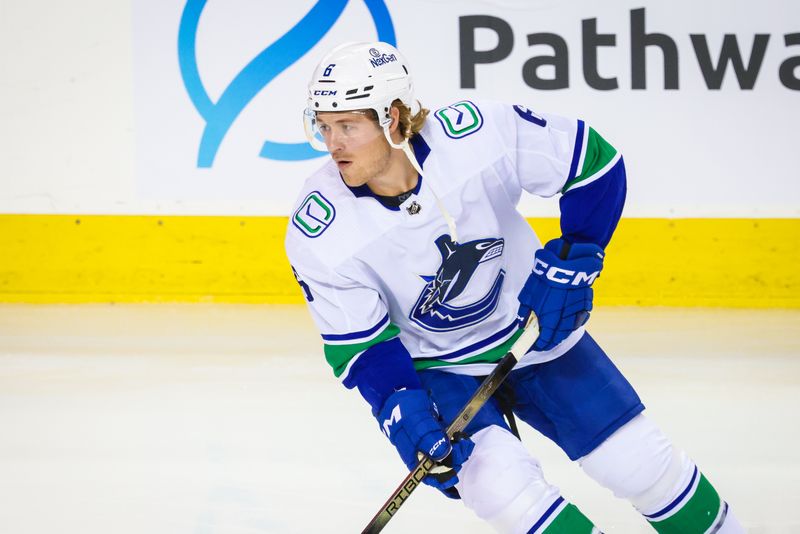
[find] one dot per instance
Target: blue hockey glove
(559, 289)
(410, 420)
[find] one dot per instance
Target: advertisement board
(701, 99)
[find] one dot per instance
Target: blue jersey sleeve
(381, 370)
(594, 194)
(590, 214)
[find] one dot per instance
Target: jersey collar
(421, 149)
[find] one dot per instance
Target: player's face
(357, 145)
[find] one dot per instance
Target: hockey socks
(697, 509)
(563, 518)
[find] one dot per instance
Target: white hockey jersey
(370, 272)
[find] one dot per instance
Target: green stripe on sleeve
(338, 356)
(696, 515)
(598, 153)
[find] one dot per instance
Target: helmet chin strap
(404, 146)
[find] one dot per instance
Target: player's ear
(394, 113)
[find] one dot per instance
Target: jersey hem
(530, 358)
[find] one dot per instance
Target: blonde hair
(410, 125)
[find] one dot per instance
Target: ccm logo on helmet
(324, 92)
(563, 276)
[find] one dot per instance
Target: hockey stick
(475, 403)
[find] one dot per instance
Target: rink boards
(95, 258)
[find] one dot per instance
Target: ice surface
(226, 419)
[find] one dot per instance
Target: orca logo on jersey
(435, 309)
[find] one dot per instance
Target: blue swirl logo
(219, 116)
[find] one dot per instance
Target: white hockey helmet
(358, 76)
(361, 76)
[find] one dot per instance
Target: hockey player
(418, 268)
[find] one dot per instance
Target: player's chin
(352, 179)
